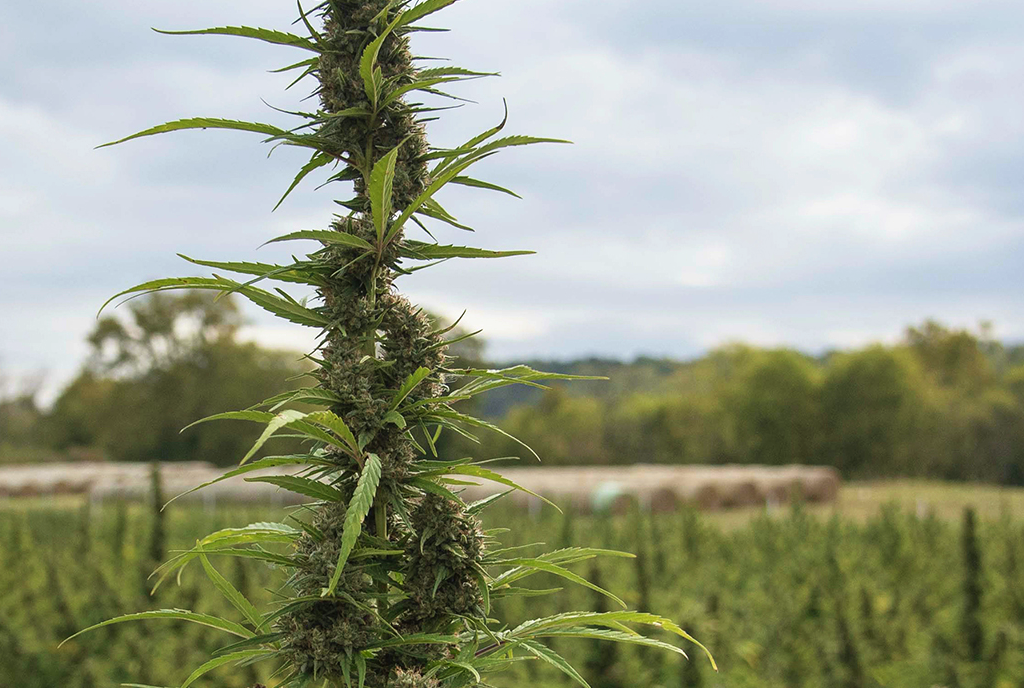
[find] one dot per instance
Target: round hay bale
(704, 496)
(26, 490)
(64, 487)
(736, 493)
(820, 486)
(664, 500)
(776, 487)
(623, 504)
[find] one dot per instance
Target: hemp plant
(390, 577)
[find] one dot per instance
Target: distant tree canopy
(20, 420)
(942, 403)
(165, 362)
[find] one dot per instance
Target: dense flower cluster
(347, 28)
(443, 562)
(376, 340)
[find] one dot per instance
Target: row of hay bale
(587, 488)
(666, 488)
(102, 481)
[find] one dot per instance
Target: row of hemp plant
(789, 600)
(390, 576)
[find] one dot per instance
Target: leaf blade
(202, 123)
(174, 614)
(358, 508)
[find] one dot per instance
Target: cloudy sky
(798, 172)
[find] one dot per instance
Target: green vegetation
(891, 599)
(390, 578)
(942, 404)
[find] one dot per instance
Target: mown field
(891, 586)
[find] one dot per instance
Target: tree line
(790, 600)
(941, 402)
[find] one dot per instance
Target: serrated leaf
(450, 156)
(335, 424)
(568, 555)
(464, 666)
(297, 273)
(269, 462)
(276, 423)
(307, 63)
(523, 566)
(307, 429)
(425, 251)
(534, 626)
(416, 639)
(317, 161)
(432, 209)
(396, 418)
(326, 236)
(249, 553)
(222, 660)
(428, 485)
(355, 514)
(177, 614)
(476, 183)
(379, 189)
(631, 638)
(255, 641)
(305, 395)
(452, 71)
(267, 35)
(408, 386)
(421, 10)
(231, 593)
(287, 309)
(302, 486)
(254, 533)
(417, 85)
(203, 123)
(512, 141)
(437, 183)
(481, 582)
(487, 474)
(556, 660)
(516, 375)
(479, 505)
(361, 669)
(368, 62)
(522, 592)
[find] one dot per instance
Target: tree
(872, 404)
(20, 420)
(169, 360)
(773, 407)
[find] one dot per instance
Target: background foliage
(790, 600)
(940, 403)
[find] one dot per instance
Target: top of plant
(390, 576)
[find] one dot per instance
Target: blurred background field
(903, 584)
(910, 575)
(940, 403)
(778, 260)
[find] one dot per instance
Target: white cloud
(789, 171)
